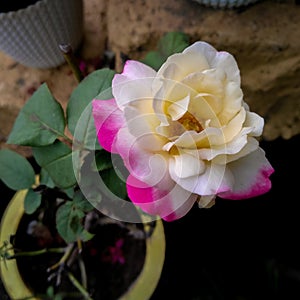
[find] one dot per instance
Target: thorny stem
(80, 288)
(67, 51)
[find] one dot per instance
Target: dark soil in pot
(113, 258)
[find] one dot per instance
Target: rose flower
(184, 133)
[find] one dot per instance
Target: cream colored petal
(206, 201)
(232, 102)
(215, 179)
(208, 82)
(204, 139)
(203, 49)
(235, 125)
(225, 61)
(216, 59)
(251, 146)
(143, 127)
(186, 63)
(134, 83)
(254, 121)
(186, 165)
(227, 149)
(177, 109)
(202, 110)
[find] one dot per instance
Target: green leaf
(45, 179)
(56, 159)
(69, 223)
(103, 161)
(32, 201)
(114, 182)
(170, 43)
(40, 121)
(173, 42)
(85, 132)
(79, 110)
(81, 203)
(69, 192)
(15, 170)
(50, 291)
(154, 59)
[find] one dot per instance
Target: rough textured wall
(264, 38)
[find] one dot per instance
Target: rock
(263, 37)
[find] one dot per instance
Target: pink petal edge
(157, 202)
(108, 120)
(261, 185)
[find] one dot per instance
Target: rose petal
(143, 127)
(215, 179)
(250, 145)
(256, 123)
(219, 60)
(147, 166)
(108, 120)
(188, 164)
(133, 84)
(169, 204)
(179, 65)
(251, 176)
(231, 148)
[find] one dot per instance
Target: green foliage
(103, 161)
(15, 170)
(45, 179)
(32, 201)
(69, 163)
(50, 294)
(170, 43)
(41, 125)
(40, 121)
(115, 183)
(79, 109)
(69, 219)
(56, 159)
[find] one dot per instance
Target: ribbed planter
(226, 3)
(32, 35)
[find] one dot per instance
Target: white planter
(32, 35)
(226, 3)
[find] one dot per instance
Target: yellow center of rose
(189, 122)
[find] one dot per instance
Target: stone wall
(264, 38)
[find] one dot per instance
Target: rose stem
(81, 264)
(38, 252)
(68, 54)
(68, 252)
(80, 288)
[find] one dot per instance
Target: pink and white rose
(184, 133)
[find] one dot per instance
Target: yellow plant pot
(142, 288)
